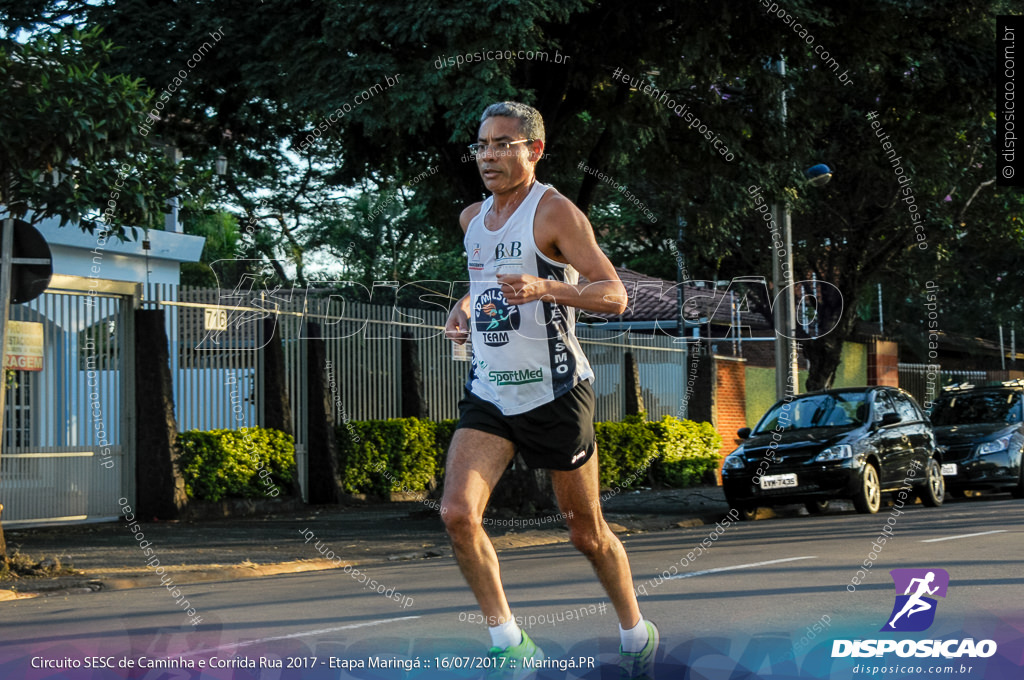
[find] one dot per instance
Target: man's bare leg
(476, 461)
(578, 494)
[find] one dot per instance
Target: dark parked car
(854, 443)
(980, 434)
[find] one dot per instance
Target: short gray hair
(531, 124)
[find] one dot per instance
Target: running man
(915, 604)
(529, 387)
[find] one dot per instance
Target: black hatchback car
(852, 443)
(980, 434)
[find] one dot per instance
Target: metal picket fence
(363, 359)
(925, 382)
(66, 452)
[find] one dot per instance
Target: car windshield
(973, 408)
(839, 409)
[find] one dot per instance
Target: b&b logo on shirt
(511, 251)
(494, 318)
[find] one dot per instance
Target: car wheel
(1018, 491)
(816, 507)
(747, 513)
(869, 496)
(934, 488)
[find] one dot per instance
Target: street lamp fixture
(222, 165)
(818, 175)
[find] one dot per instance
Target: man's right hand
(456, 328)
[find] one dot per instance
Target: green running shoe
(640, 665)
(511, 663)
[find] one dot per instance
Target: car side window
(883, 406)
(1015, 409)
(908, 413)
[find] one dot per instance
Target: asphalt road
(751, 601)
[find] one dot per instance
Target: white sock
(505, 635)
(634, 639)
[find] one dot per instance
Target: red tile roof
(654, 299)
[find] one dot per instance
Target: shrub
(220, 464)
(382, 456)
(406, 454)
(686, 451)
(625, 450)
(669, 452)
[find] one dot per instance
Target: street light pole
(680, 324)
(787, 368)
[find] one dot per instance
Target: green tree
(69, 147)
(284, 67)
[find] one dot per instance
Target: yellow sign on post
(24, 347)
(215, 319)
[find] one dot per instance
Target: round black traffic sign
(28, 281)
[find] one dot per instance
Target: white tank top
(524, 356)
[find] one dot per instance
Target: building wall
(730, 400)
(760, 392)
(93, 256)
(760, 381)
(883, 363)
(853, 368)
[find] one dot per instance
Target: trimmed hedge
(381, 456)
(668, 452)
(687, 451)
(219, 464)
(407, 454)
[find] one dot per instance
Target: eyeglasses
(497, 147)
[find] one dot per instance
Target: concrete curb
(125, 578)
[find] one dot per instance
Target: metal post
(881, 324)
(786, 364)
(791, 348)
(6, 265)
(786, 358)
(680, 319)
(814, 292)
(1002, 349)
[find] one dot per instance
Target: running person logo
(914, 610)
(474, 258)
(494, 318)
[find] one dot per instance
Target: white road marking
(950, 538)
(319, 631)
(740, 566)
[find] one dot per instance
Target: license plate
(949, 469)
(778, 481)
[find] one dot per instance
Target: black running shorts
(556, 436)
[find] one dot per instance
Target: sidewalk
(108, 557)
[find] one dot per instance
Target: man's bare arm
(456, 327)
(560, 225)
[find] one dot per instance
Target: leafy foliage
(686, 451)
(220, 229)
(69, 143)
(924, 68)
(218, 464)
(625, 448)
(669, 452)
(381, 456)
(407, 454)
